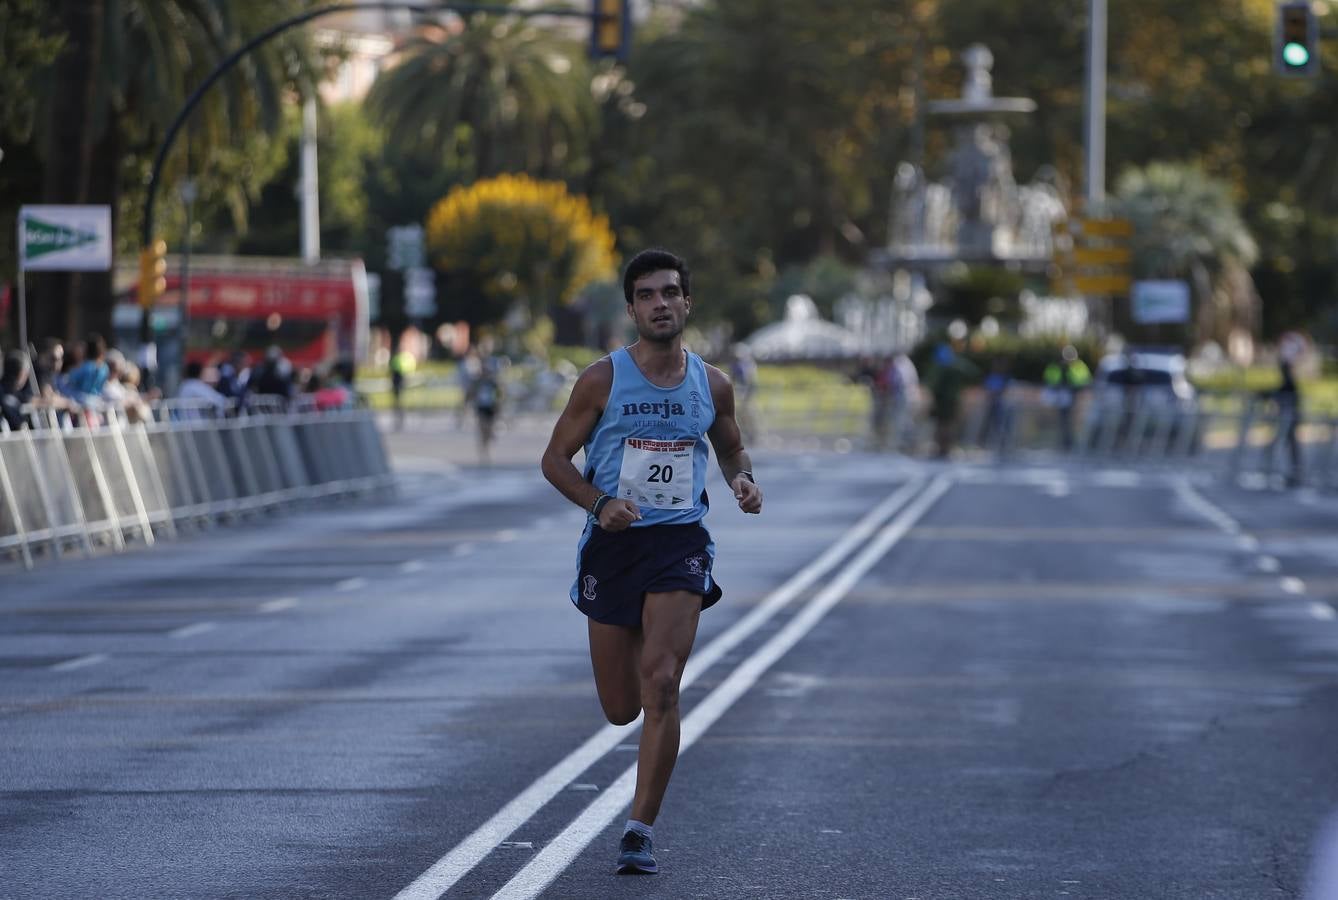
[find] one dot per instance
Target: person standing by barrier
(402, 365)
(86, 381)
(644, 414)
(1288, 399)
(1064, 378)
(946, 380)
(996, 429)
(14, 390)
(485, 395)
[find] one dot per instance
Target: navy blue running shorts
(616, 569)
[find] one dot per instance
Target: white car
(1155, 377)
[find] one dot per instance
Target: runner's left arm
(727, 440)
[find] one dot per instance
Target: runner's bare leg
(614, 652)
(669, 626)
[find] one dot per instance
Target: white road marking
(351, 584)
(1205, 507)
(531, 880)
(1248, 543)
(413, 565)
(1117, 478)
(506, 536)
(473, 849)
(186, 631)
(1323, 611)
(1268, 563)
(462, 550)
(1057, 489)
(80, 662)
(273, 606)
(1292, 585)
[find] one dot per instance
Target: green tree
(126, 68)
(753, 136)
(1186, 225)
(514, 244)
(489, 95)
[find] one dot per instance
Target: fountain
(979, 214)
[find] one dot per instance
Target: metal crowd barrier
(95, 480)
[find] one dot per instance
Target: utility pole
(309, 185)
(1095, 145)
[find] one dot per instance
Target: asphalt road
(923, 682)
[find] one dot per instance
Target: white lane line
(1190, 496)
(279, 605)
(531, 880)
(351, 584)
(506, 536)
(413, 565)
(186, 631)
(1292, 585)
(1323, 611)
(80, 662)
(1248, 543)
(473, 849)
(1268, 563)
(1117, 478)
(462, 550)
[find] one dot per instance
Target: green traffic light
(1294, 54)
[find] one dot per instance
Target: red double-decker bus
(317, 313)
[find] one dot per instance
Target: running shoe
(634, 855)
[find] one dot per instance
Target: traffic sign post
(60, 239)
(1092, 256)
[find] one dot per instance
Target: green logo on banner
(41, 238)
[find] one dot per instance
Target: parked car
(1148, 386)
(1153, 376)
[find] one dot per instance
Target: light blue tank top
(649, 445)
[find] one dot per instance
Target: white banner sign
(65, 238)
(1160, 301)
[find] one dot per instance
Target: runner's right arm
(573, 427)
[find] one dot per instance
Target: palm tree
(126, 70)
(489, 95)
(1186, 225)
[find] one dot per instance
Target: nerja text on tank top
(649, 445)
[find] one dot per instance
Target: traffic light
(611, 28)
(152, 273)
(1296, 41)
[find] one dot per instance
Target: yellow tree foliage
(515, 239)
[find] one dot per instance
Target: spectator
(14, 389)
(113, 392)
(136, 407)
(87, 379)
(995, 430)
(1288, 399)
(743, 372)
(275, 377)
(233, 374)
(327, 394)
(193, 388)
(402, 365)
(946, 379)
(1064, 378)
(906, 405)
(485, 392)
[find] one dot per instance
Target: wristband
(598, 506)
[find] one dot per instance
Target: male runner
(644, 560)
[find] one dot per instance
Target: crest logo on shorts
(588, 585)
(695, 565)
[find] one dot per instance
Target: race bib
(657, 473)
